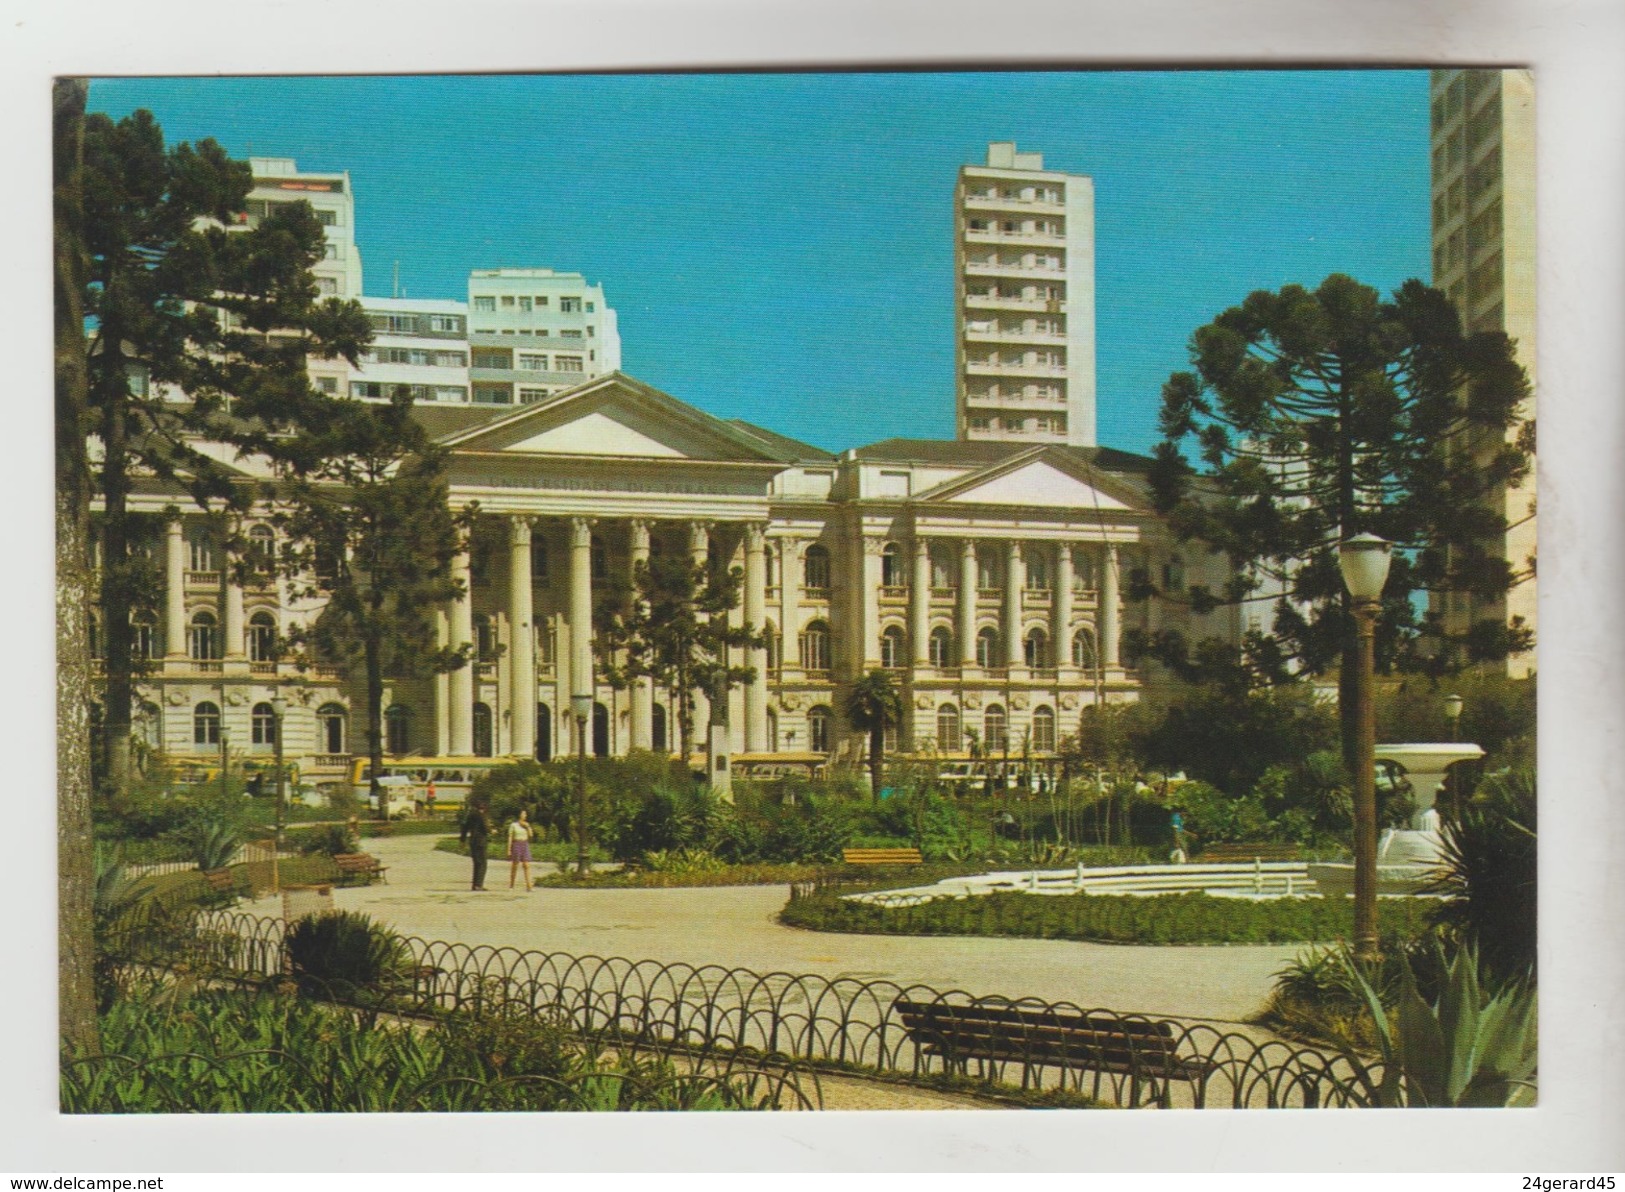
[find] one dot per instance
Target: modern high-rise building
(279, 180)
(1483, 144)
(1024, 301)
(535, 332)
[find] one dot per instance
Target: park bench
(1220, 853)
(221, 881)
(881, 856)
(1043, 1037)
(360, 865)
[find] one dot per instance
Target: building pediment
(611, 417)
(1042, 477)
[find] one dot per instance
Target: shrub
(213, 842)
(1490, 870)
(327, 839)
(1230, 741)
(342, 952)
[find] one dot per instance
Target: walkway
(427, 895)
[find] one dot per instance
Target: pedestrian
(519, 849)
(476, 832)
(1180, 854)
(428, 798)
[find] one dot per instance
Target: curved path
(427, 895)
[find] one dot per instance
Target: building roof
(790, 450)
(981, 452)
(441, 421)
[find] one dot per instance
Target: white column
(581, 669)
(522, 649)
(1015, 579)
(642, 689)
(790, 577)
(1110, 615)
(755, 619)
(461, 695)
(699, 553)
(1061, 630)
(442, 689)
(175, 591)
(969, 574)
(869, 594)
(919, 603)
(502, 708)
(235, 647)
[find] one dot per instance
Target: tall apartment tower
(1483, 143)
(279, 180)
(1024, 301)
(533, 332)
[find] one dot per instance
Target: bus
(453, 777)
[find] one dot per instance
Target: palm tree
(874, 703)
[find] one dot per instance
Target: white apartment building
(279, 180)
(1024, 301)
(536, 332)
(1483, 143)
(421, 343)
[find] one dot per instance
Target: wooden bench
(881, 856)
(1218, 853)
(221, 881)
(1039, 1037)
(361, 865)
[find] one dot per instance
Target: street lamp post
(1363, 561)
(1452, 714)
(279, 708)
(225, 761)
(581, 709)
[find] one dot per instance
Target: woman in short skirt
(519, 849)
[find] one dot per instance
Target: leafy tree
(365, 506)
(198, 331)
(671, 625)
(1318, 415)
(76, 858)
(872, 704)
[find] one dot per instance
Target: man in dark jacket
(476, 831)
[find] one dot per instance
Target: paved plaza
(427, 895)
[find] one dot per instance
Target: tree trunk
(117, 588)
(76, 861)
(375, 717)
(877, 763)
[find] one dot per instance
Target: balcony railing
(944, 593)
(815, 593)
(203, 579)
(894, 592)
(990, 593)
(262, 668)
(816, 675)
(208, 666)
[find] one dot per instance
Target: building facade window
(987, 647)
(948, 728)
(893, 650)
(206, 724)
(262, 725)
(818, 734)
(942, 648)
(891, 566)
(544, 733)
(204, 636)
(332, 721)
(144, 629)
(988, 572)
(815, 567)
(485, 638)
(485, 302)
(995, 729)
(1043, 740)
(942, 568)
(398, 729)
(200, 551)
(538, 560)
(1035, 649)
(657, 727)
(1083, 648)
(482, 730)
(815, 647)
(1038, 575)
(262, 637)
(599, 557)
(261, 550)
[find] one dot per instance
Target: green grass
(1192, 918)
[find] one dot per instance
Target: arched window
(482, 730)
(815, 567)
(205, 636)
(891, 566)
(942, 647)
(600, 731)
(988, 572)
(332, 720)
(815, 647)
(485, 638)
(398, 729)
(544, 733)
(1035, 649)
(942, 567)
(775, 649)
(206, 724)
(995, 730)
(987, 647)
(1083, 649)
(893, 649)
(262, 725)
(1043, 739)
(538, 560)
(1038, 579)
(144, 633)
(948, 728)
(262, 637)
(657, 728)
(818, 721)
(261, 554)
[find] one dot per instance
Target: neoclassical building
(989, 576)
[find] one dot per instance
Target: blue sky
(779, 246)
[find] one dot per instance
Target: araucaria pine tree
(1317, 415)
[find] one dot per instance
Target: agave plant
(1472, 1048)
(214, 843)
(1489, 872)
(343, 952)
